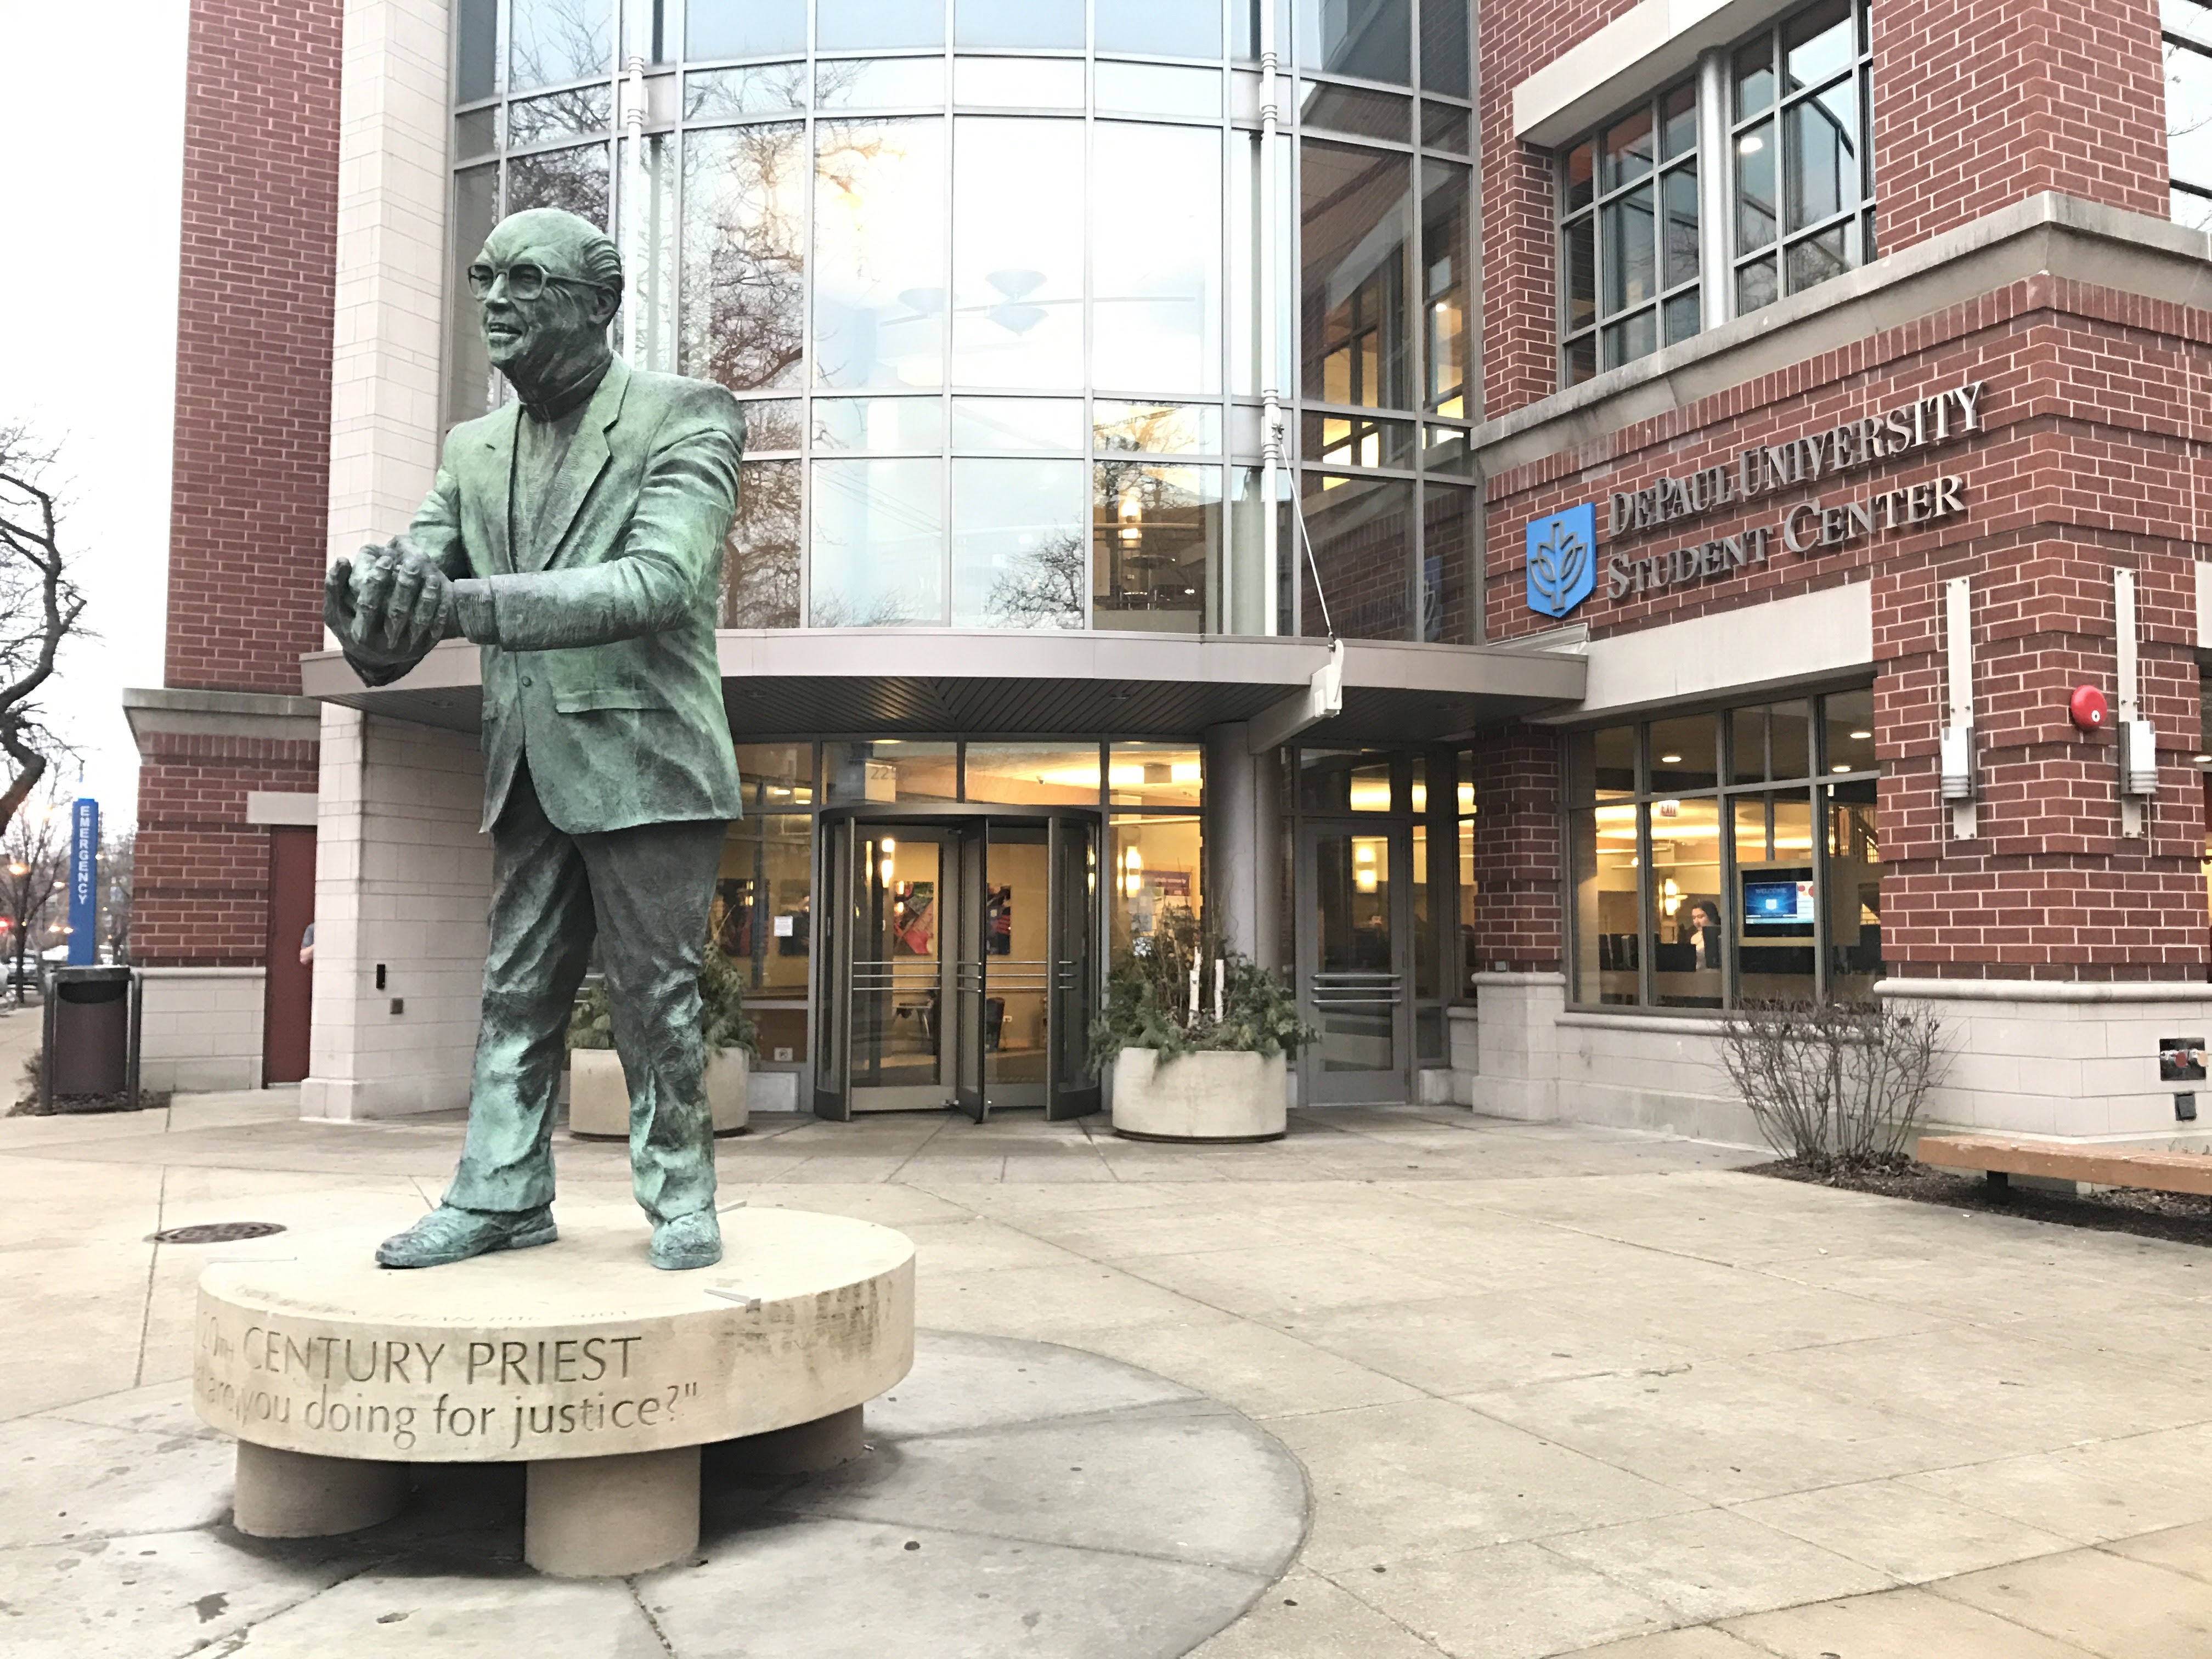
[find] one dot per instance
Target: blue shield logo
(1562, 560)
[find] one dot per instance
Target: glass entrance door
(1071, 1087)
(1354, 946)
(901, 922)
(961, 968)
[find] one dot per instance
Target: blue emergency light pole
(84, 883)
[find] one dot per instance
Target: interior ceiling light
(1670, 760)
(1861, 736)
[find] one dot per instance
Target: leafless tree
(1835, 1085)
(33, 861)
(118, 862)
(743, 281)
(39, 607)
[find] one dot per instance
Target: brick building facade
(228, 748)
(2018, 212)
(1837, 363)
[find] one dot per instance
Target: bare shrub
(1835, 1085)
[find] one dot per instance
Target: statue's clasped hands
(390, 604)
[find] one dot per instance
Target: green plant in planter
(723, 1022)
(1148, 1001)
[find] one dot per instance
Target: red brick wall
(1519, 324)
(1517, 868)
(2067, 484)
(201, 889)
(1977, 104)
(248, 515)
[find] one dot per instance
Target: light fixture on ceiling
(1670, 760)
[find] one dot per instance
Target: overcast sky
(89, 293)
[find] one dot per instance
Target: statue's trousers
(644, 893)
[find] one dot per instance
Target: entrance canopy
(901, 682)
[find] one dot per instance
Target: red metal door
(290, 988)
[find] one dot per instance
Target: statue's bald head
(548, 283)
(565, 244)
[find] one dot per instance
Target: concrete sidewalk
(1557, 1390)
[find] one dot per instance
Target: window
(1720, 858)
(1799, 128)
(1628, 237)
(1639, 261)
(2187, 26)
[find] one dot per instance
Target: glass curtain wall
(1724, 858)
(1379, 530)
(988, 278)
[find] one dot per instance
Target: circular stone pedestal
(579, 1357)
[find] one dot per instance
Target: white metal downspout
(1271, 415)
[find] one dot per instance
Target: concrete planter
(599, 1096)
(729, 1073)
(1222, 1096)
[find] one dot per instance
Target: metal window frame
(1858, 214)
(1565, 220)
(1724, 793)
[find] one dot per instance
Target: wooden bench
(2104, 1166)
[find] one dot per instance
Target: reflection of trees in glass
(754, 89)
(580, 110)
(1152, 429)
(1150, 528)
(559, 40)
(575, 179)
(760, 569)
(874, 610)
(744, 264)
(1044, 591)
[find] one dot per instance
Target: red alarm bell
(2086, 709)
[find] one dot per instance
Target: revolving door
(960, 962)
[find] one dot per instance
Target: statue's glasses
(525, 281)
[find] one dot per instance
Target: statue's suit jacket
(604, 670)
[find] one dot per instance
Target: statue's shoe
(687, 1241)
(449, 1234)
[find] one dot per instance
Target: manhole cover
(216, 1232)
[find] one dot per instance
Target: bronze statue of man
(577, 537)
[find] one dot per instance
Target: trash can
(91, 1034)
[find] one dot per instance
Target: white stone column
(402, 876)
(1517, 1017)
(403, 879)
(394, 124)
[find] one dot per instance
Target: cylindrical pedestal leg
(604, 1517)
(802, 1449)
(289, 1494)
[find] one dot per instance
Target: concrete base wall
(402, 878)
(201, 1029)
(2075, 1061)
(1526, 1057)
